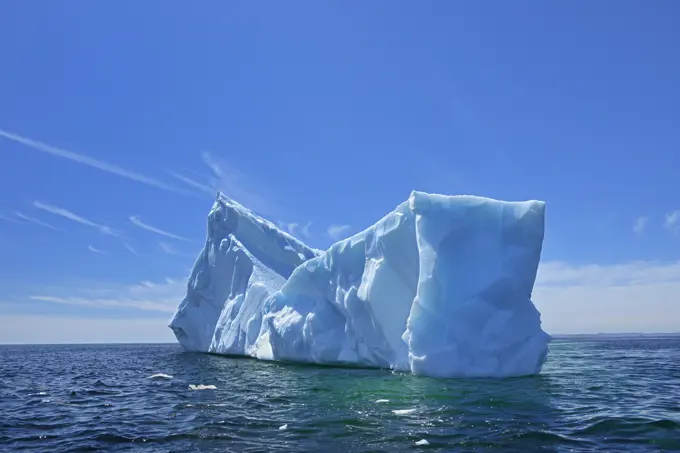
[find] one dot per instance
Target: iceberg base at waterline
(441, 286)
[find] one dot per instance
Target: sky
(119, 120)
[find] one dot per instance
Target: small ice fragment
(160, 376)
(403, 411)
(382, 401)
(202, 387)
(422, 442)
(283, 427)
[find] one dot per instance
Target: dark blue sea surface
(595, 394)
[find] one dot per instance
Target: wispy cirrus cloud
(170, 249)
(672, 221)
(130, 249)
(305, 230)
(56, 210)
(7, 218)
(294, 229)
(35, 221)
(96, 250)
(114, 302)
(234, 183)
(242, 188)
(640, 224)
(193, 183)
(88, 161)
(161, 296)
(561, 273)
(136, 221)
(338, 232)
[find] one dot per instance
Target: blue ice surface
(441, 286)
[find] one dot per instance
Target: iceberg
(441, 286)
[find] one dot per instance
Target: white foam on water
(422, 442)
(160, 376)
(202, 387)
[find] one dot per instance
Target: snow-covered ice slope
(441, 286)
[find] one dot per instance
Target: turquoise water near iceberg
(594, 394)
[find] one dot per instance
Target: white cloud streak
(672, 220)
(560, 273)
(9, 219)
(193, 183)
(76, 218)
(96, 250)
(136, 221)
(292, 228)
(86, 160)
(169, 249)
(238, 186)
(35, 221)
(338, 232)
(106, 303)
(130, 249)
(305, 230)
(640, 224)
(162, 297)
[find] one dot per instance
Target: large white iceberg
(441, 286)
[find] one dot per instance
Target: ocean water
(597, 394)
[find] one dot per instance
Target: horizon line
(123, 342)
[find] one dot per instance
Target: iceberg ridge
(441, 286)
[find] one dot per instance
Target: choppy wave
(616, 394)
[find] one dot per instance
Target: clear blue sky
(326, 115)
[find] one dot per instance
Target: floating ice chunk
(441, 286)
(202, 387)
(404, 411)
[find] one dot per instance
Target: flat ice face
(441, 286)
